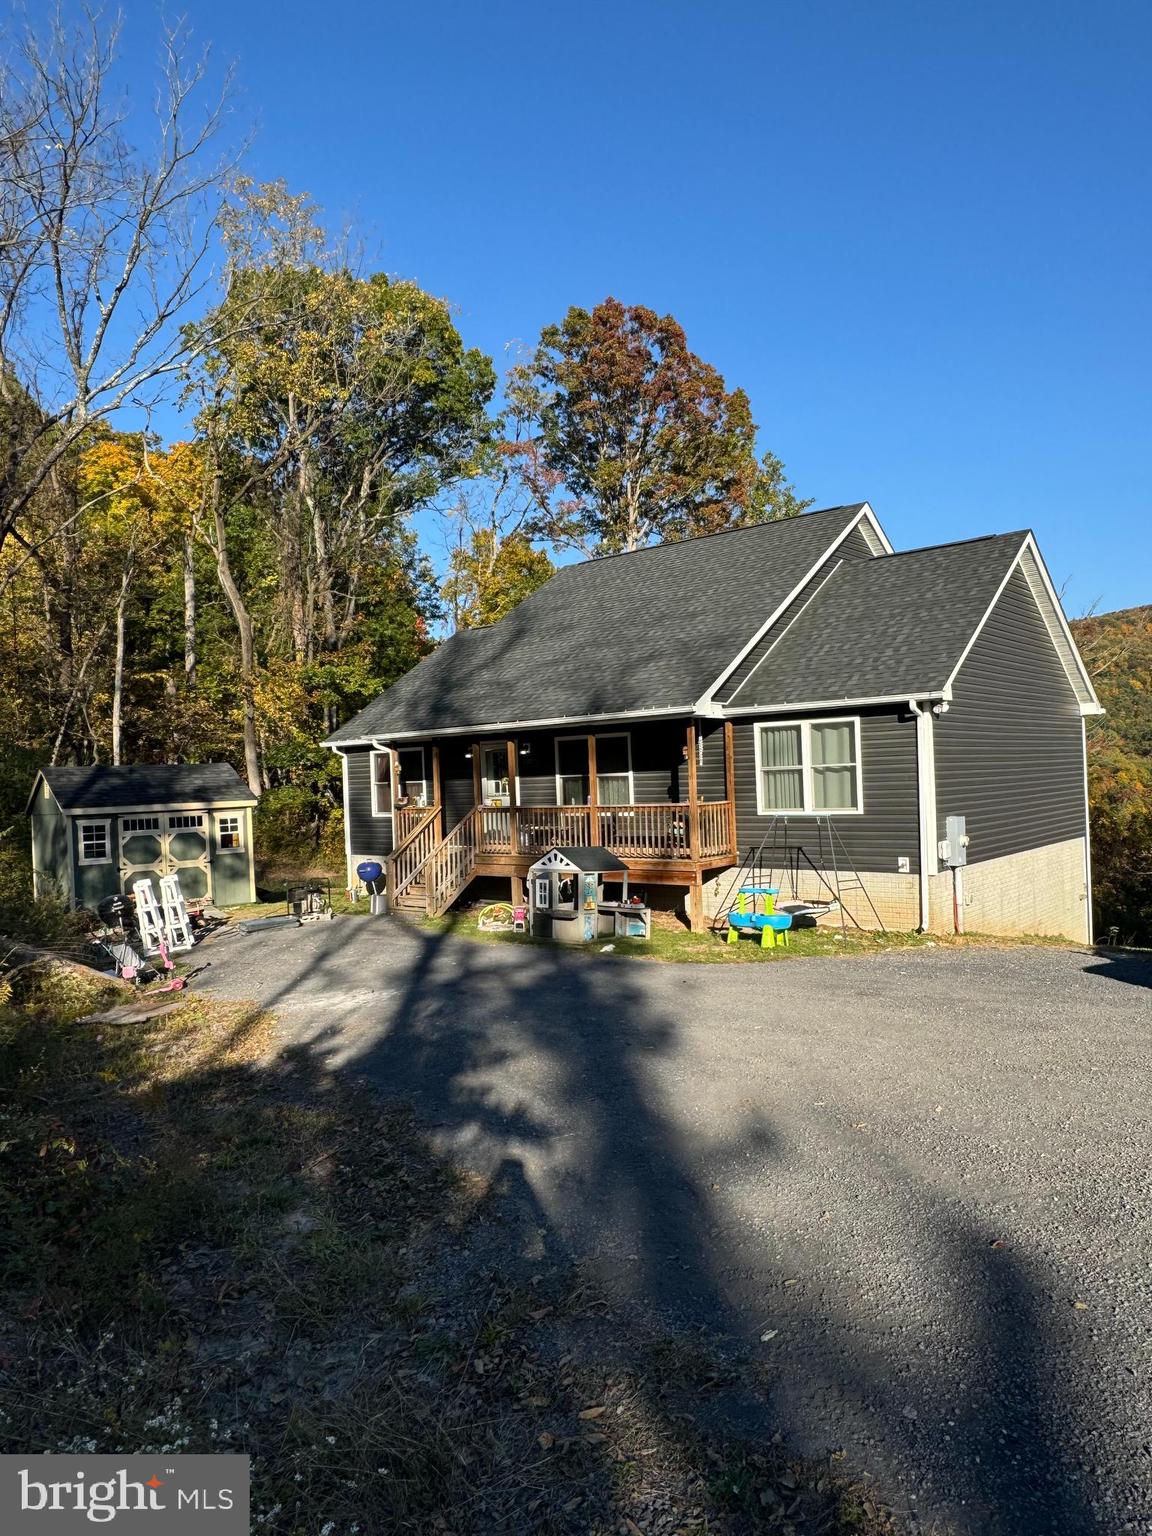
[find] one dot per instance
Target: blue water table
(745, 916)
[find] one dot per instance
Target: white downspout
(926, 804)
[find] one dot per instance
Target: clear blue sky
(918, 235)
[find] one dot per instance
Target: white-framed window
(193, 823)
(230, 829)
(614, 782)
(140, 824)
(808, 767)
(95, 842)
(380, 764)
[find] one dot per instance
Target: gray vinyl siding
(888, 827)
(854, 547)
(710, 771)
(456, 781)
(368, 835)
(1008, 751)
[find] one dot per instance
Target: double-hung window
(381, 783)
(808, 767)
(95, 843)
(613, 769)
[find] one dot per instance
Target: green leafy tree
(626, 437)
(1117, 649)
(492, 575)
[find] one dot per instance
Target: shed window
(808, 767)
(230, 830)
(185, 823)
(94, 843)
(381, 783)
(140, 824)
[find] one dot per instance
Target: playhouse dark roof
(590, 860)
(650, 630)
(147, 784)
(897, 624)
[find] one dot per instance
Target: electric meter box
(954, 844)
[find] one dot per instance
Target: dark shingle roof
(885, 627)
(148, 784)
(647, 630)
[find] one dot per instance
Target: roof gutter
(493, 728)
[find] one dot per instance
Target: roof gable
(644, 632)
(893, 627)
(901, 626)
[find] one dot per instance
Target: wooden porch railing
(665, 831)
(715, 829)
(449, 866)
(406, 820)
(407, 859)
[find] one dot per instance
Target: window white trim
(239, 818)
(600, 736)
(372, 756)
(81, 856)
(805, 727)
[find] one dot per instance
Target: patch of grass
(671, 941)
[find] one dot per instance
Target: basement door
(172, 844)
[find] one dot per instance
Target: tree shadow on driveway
(555, 1065)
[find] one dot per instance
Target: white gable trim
(1030, 564)
(874, 536)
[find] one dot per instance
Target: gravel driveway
(916, 1185)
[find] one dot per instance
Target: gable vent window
(808, 767)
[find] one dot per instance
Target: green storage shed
(97, 830)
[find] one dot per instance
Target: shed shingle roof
(649, 630)
(148, 784)
(880, 628)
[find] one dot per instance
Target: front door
(494, 775)
(172, 844)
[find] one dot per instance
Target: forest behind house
(348, 479)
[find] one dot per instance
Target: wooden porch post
(513, 813)
(593, 794)
(693, 800)
(513, 776)
(477, 787)
(696, 903)
(437, 792)
(730, 783)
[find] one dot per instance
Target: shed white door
(171, 844)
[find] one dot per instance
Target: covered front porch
(491, 807)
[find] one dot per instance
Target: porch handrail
(407, 859)
(448, 868)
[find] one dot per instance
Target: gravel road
(915, 1185)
